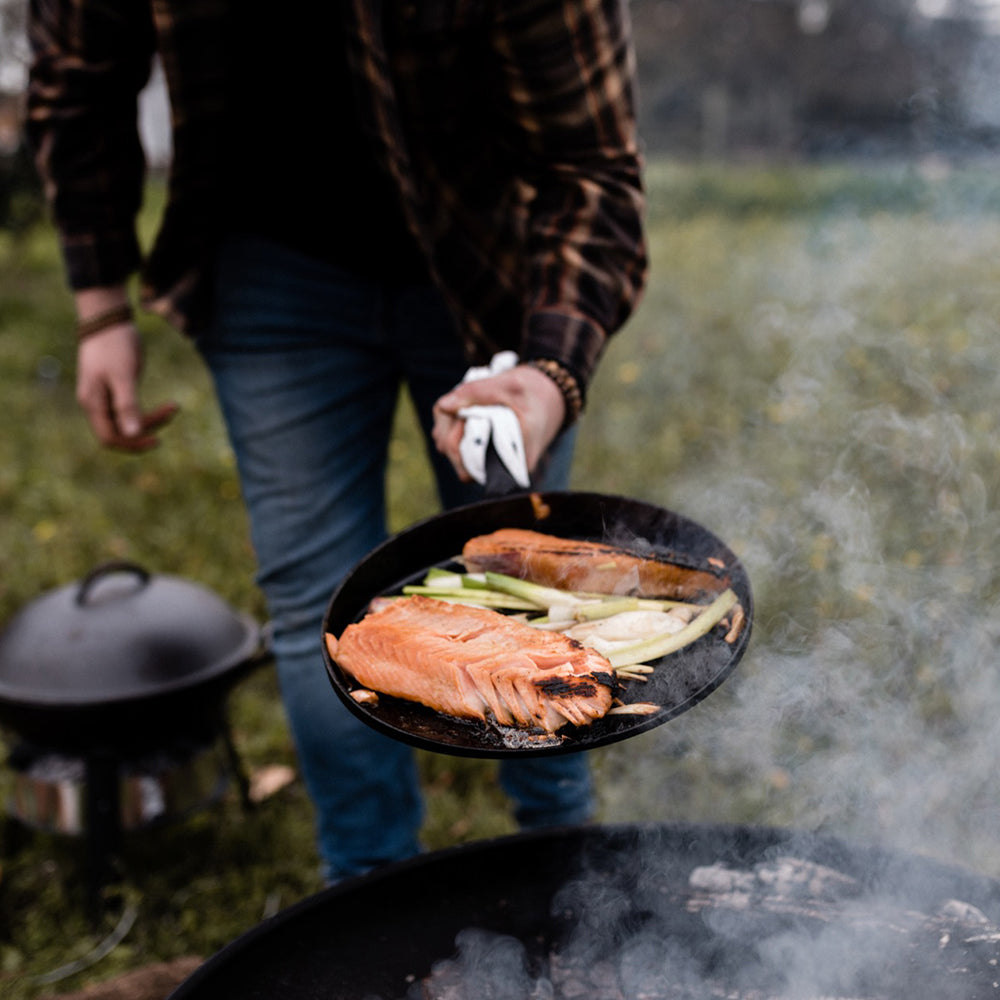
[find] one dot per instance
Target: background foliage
(812, 375)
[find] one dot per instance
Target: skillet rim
(435, 540)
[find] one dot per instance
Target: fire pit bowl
(621, 912)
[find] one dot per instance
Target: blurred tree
(807, 76)
(13, 46)
(20, 191)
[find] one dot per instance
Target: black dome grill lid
(120, 633)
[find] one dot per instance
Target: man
(361, 194)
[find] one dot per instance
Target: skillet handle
(499, 481)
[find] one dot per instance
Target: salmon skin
(595, 567)
(474, 663)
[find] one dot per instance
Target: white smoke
(860, 489)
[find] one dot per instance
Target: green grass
(812, 374)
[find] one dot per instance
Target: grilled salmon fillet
(474, 663)
(586, 566)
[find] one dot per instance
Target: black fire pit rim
(883, 856)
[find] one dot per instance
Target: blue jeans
(307, 362)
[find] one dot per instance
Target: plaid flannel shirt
(507, 126)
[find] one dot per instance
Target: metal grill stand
(107, 791)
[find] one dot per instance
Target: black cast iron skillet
(680, 681)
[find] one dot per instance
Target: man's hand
(109, 365)
(530, 393)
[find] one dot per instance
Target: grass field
(813, 375)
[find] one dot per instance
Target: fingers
(532, 395)
(145, 437)
(112, 413)
(108, 367)
(447, 435)
(122, 426)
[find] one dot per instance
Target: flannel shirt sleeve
(89, 63)
(570, 79)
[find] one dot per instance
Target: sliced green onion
(443, 577)
(449, 579)
(541, 597)
(591, 611)
(467, 595)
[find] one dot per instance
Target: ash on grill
(782, 928)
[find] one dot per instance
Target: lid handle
(106, 569)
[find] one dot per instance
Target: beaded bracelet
(102, 320)
(568, 386)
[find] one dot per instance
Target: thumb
(125, 407)
(129, 421)
(473, 393)
(453, 401)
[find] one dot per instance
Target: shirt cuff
(95, 262)
(575, 342)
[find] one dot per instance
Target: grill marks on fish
(475, 663)
(597, 567)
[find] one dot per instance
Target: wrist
(105, 319)
(100, 308)
(567, 384)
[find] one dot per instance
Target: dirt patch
(151, 982)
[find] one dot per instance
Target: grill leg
(236, 766)
(103, 820)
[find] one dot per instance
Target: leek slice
(470, 595)
(669, 642)
(541, 597)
